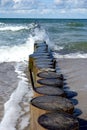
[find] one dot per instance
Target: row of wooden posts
(50, 109)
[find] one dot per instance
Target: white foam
(17, 53)
(71, 55)
(56, 47)
(40, 34)
(24, 122)
(1, 23)
(12, 108)
(22, 52)
(7, 27)
(11, 28)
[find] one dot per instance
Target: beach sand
(75, 84)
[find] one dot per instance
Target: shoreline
(16, 93)
(8, 83)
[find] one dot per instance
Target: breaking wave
(71, 55)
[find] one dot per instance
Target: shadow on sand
(71, 96)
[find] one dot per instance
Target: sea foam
(17, 53)
(12, 108)
(71, 55)
(8, 27)
(14, 115)
(21, 52)
(11, 28)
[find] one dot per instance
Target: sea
(67, 38)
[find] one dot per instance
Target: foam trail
(57, 48)
(13, 28)
(12, 107)
(14, 116)
(71, 55)
(6, 27)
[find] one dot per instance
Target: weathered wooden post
(58, 121)
(49, 108)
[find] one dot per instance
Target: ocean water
(66, 37)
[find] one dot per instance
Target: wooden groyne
(50, 109)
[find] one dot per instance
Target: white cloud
(43, 7)
(19, 4)
(25, 4)
(38, 4)
(6, 3)
(59, 2)
(71, 3)
(46, 11)
(17, 1)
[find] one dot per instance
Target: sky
(43, 9)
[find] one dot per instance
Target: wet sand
(8, 82)
(75, 75)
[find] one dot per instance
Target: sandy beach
(75, 84)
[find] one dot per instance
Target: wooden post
(41, 104)
(35, 113)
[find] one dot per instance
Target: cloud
(43, 7)
(6, 3)
(25, 4)
(38, 4)
(19, 4)
(71, 4)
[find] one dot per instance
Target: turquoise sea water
(66, 36)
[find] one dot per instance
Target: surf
(16, 109)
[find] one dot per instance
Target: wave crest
(7, 27)
(21, 52)
(11, 28)
(71, 55)
(17, 53)
(75, 24)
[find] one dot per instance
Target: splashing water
(16, 109)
